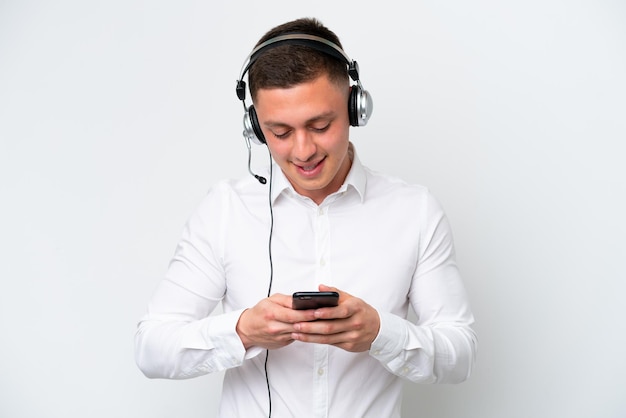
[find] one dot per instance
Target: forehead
(318, 92)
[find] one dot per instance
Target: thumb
(324, 288)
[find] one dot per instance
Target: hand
(269, 324)
(352, 325)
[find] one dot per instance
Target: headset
(360, 105)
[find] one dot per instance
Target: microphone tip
(261, 180)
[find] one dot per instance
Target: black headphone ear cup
(352, 106)
(360, 106)
(252, 128)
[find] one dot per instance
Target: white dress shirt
(377, 238)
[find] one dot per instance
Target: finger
(281, 299)
(321, 327)
(317, 338)
(337, 312)
(342, 295)
(325, 288)
(348, 341)
(287, 315)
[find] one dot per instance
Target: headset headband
(312, 41)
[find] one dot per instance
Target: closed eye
(281, 135)
(320, 129)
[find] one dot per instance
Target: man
(322, 222)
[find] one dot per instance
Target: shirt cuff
(217, 333)
(392, 338)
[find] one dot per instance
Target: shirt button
(322, 262)
(377, 352)
(320, 371)
(320, 211)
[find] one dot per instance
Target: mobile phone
(314, 300)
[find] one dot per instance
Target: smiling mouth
(309, 168)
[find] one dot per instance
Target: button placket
(322, 245)
(320, 379)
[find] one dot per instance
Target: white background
(116, 116)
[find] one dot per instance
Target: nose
(304, 147)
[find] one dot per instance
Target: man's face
(306, 128)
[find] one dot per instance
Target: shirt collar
(356, 178)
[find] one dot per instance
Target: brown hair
(285, 66)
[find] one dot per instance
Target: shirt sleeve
(440, 347)
(179, 337)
